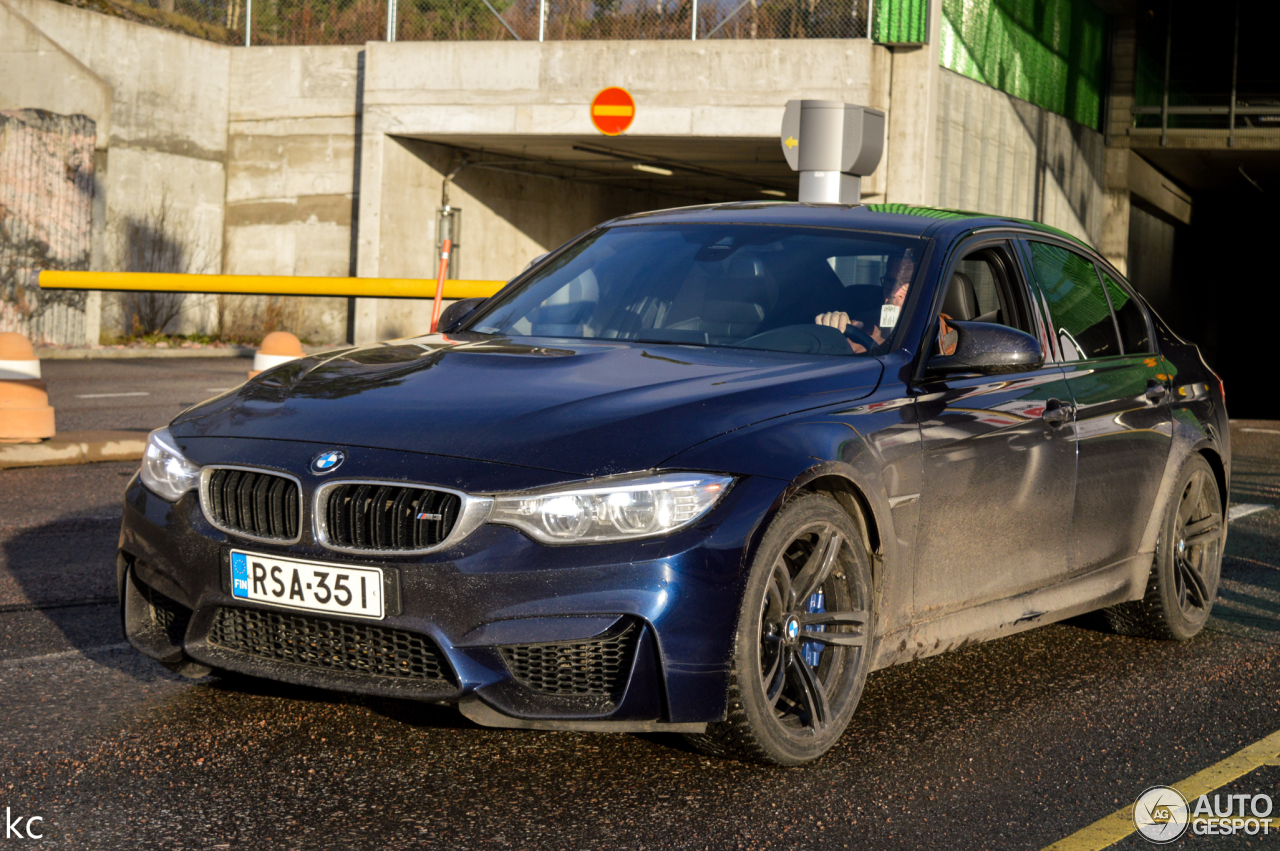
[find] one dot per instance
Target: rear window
(1129, 316)
(752, 286)
(1081, 314)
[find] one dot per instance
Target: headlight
(616, 509)
(164, 469)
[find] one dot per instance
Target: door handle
(1155, 390)
(1056, 413)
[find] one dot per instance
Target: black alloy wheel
(1197, 534)
(803, 640)
(1188, 562)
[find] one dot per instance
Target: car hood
(575, 406)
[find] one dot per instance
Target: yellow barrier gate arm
(161, 282)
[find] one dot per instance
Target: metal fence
(1235, 112)
(46, 196)
(358, 21)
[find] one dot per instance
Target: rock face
(46, 200)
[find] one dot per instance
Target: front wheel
(803, 640)
(1187, 566)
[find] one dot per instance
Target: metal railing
(1251, 107)
(309, 22)
(1221, 111)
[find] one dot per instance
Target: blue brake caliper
(812, 650)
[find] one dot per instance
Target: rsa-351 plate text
(310, 586)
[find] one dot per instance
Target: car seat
(961, 302)
(729, 305)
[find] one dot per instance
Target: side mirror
(456, 312)
(988, 349)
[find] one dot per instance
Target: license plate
(307, 585)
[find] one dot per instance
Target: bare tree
(164, 239)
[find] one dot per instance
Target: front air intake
(313, 642)
(597, 667)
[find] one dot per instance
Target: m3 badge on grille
(327, 462)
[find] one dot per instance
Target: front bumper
(608, 636)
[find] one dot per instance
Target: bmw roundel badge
(327, 462)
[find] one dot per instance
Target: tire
(1187, 565)
(798, 673)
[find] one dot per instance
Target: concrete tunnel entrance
(538, 172)
(521, 196)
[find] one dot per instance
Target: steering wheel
(862, 338)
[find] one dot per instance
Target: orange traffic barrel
(277, 347)
(25, 415)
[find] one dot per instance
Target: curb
(149, 352)
(75, 447)
(87, 354)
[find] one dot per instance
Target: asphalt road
(1012, 744)
(134, 393)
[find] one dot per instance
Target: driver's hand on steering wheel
(840, 320)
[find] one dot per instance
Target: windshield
(754, 286)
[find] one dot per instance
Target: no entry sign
(613, 110)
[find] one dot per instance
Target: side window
(1129, 316)
(981, 290)
(977, 275)
(1081, 316)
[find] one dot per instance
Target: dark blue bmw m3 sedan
(697, 470)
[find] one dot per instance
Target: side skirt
(1105, 586)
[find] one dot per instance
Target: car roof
(904, 219)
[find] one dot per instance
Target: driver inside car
(895, 285)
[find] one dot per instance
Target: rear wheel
(1188, 563)
(803, 639)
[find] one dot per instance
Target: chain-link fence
(571, 20)
(358, 21)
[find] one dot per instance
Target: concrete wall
(39, 74)
(292, 134)
(910, 167)
(998, 154)
(166, 148)
(168, 127)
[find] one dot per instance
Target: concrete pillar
(911, 159)
(1123, 75)
(1114, 244)
(1116, 203)
(363, 323)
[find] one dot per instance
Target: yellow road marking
(266, 285)
(1109, 830)
(605, 109)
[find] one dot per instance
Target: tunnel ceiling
(702, 170)
(1220, 169)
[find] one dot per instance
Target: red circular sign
(613, 110)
